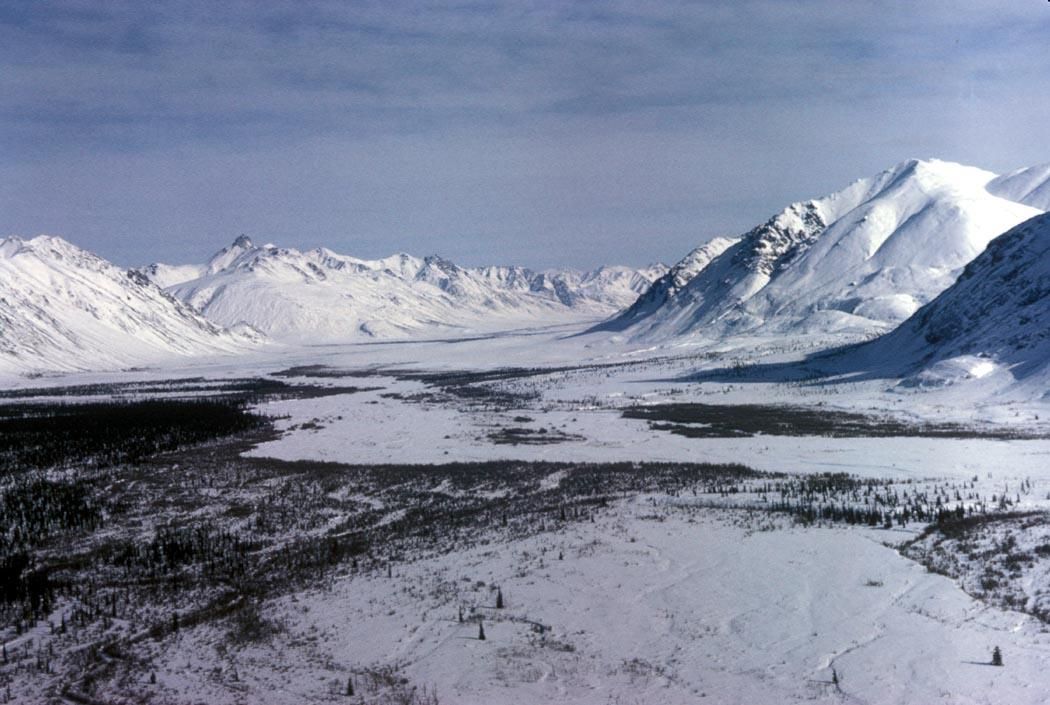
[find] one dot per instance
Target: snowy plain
(655, 599)
(648, 604)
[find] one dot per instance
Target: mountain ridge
(994, 318)
(64, 308)
(319, 295)
(862, 259)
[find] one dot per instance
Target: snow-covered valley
(809, 464)
(338, 548)
(510, 353)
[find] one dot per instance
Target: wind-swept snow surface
(63, 308)
(649, 604)
(862, 259)
(1030, 186)
(322, 296)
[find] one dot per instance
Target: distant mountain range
(321, 296)
(860, 260)
(908, 247)
(63, 308)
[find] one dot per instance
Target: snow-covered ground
(659, 598)
(646, 604)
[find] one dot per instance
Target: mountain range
(319, 296)
(63, 308)
(915, 250)
(860, 260)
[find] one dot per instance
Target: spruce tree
(997, 657)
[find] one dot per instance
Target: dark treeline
(695, 420)
(195, 386)
(219, 552)
(81, 439)
(842, 498)
(107, 433)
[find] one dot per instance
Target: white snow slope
(667, 287)
(321, 296)
(1030, 186)
(860, 260)
(63, 308)
(994, 319)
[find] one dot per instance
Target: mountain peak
(228, 255)
(243, 242)
(45, 246)
(934, 174)
(863, 258)
(915, 164)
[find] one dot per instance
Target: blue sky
(537, 133)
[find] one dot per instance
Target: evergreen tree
(997, 657)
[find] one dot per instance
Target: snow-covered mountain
(63, 308)
(994, 318)
(1030, 186)
(860, 260)
(666, 288)
(321, 296)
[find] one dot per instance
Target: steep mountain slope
(322, 296)
(862, 259)
(994, 318)
(667, 287)
(1030, 186)
(63, 308)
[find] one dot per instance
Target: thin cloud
(490, 131)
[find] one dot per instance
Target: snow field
(651, 603)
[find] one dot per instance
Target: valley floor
(335, 546)
(647, 604)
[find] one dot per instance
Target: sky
(536, 133)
